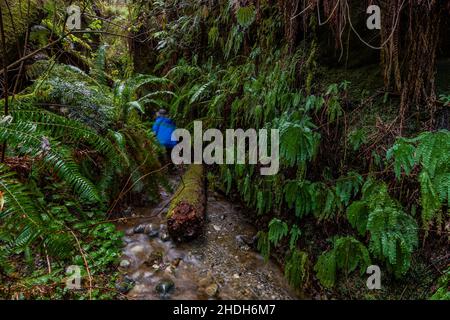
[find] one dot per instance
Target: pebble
(137, 249)
(124, 263)
(165, 287)
(125, 285)
(139, 228)
(236, 276)
(127, 211)
(164, 236)
(212, 290)
(151, 230)
(217, 228)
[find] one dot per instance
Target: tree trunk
(186, 215)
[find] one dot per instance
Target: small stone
(127, 211)
(151, 230)
(205, 282)
(217, 228)
(168, 270)
(155, 266)
(125, 285)
(127, 240)
(222, 217)
(139, 228)
(236, 276)
(129, 232)
(164, 236)
(165, 287)
(124, 263)
(137, 249)
(212, 290)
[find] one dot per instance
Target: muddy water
(220, 265)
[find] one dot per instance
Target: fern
(296, 268)
(346, 255)
(25, 137)
(430, 150)
(298, 141)
(277, 230)
(245, 16)
(263, 244)
(27, 220)
(393, 233)
(295, 233)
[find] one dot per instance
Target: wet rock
(125, 285)
(164, 236)
(244, 242)
(139, 228)
(168, 270)
(129, 232)
(128, 211)
(124, 263)
(165, 288)
(212, 290)
(127, 240)
(137, 249)
(151, 230)
(206, 281)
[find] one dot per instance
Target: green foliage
(126, 95)
(298, 141)
(347, 255)
(296, 268)
(393, 233)
(295, 233)
(28, 140)
(245, 16)
(72, 93)
(430, 151)
(443, 291)
(277, 230)
(357, 138)
(263, 244)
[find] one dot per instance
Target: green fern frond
(296, 268)
(245, 16)
(346, 255)
(25, 137)
(277, 230)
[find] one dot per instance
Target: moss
(190, 190)
(16, 21)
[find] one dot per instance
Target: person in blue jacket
(163, 129)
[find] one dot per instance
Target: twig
(5, 75)
(85, 263)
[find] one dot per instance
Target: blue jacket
(163, 128)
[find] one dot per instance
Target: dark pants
(168, 158)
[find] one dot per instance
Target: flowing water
(221, 264)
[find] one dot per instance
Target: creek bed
(221, 264)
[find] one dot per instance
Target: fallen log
(186, 214)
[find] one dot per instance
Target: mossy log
(186, 215)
